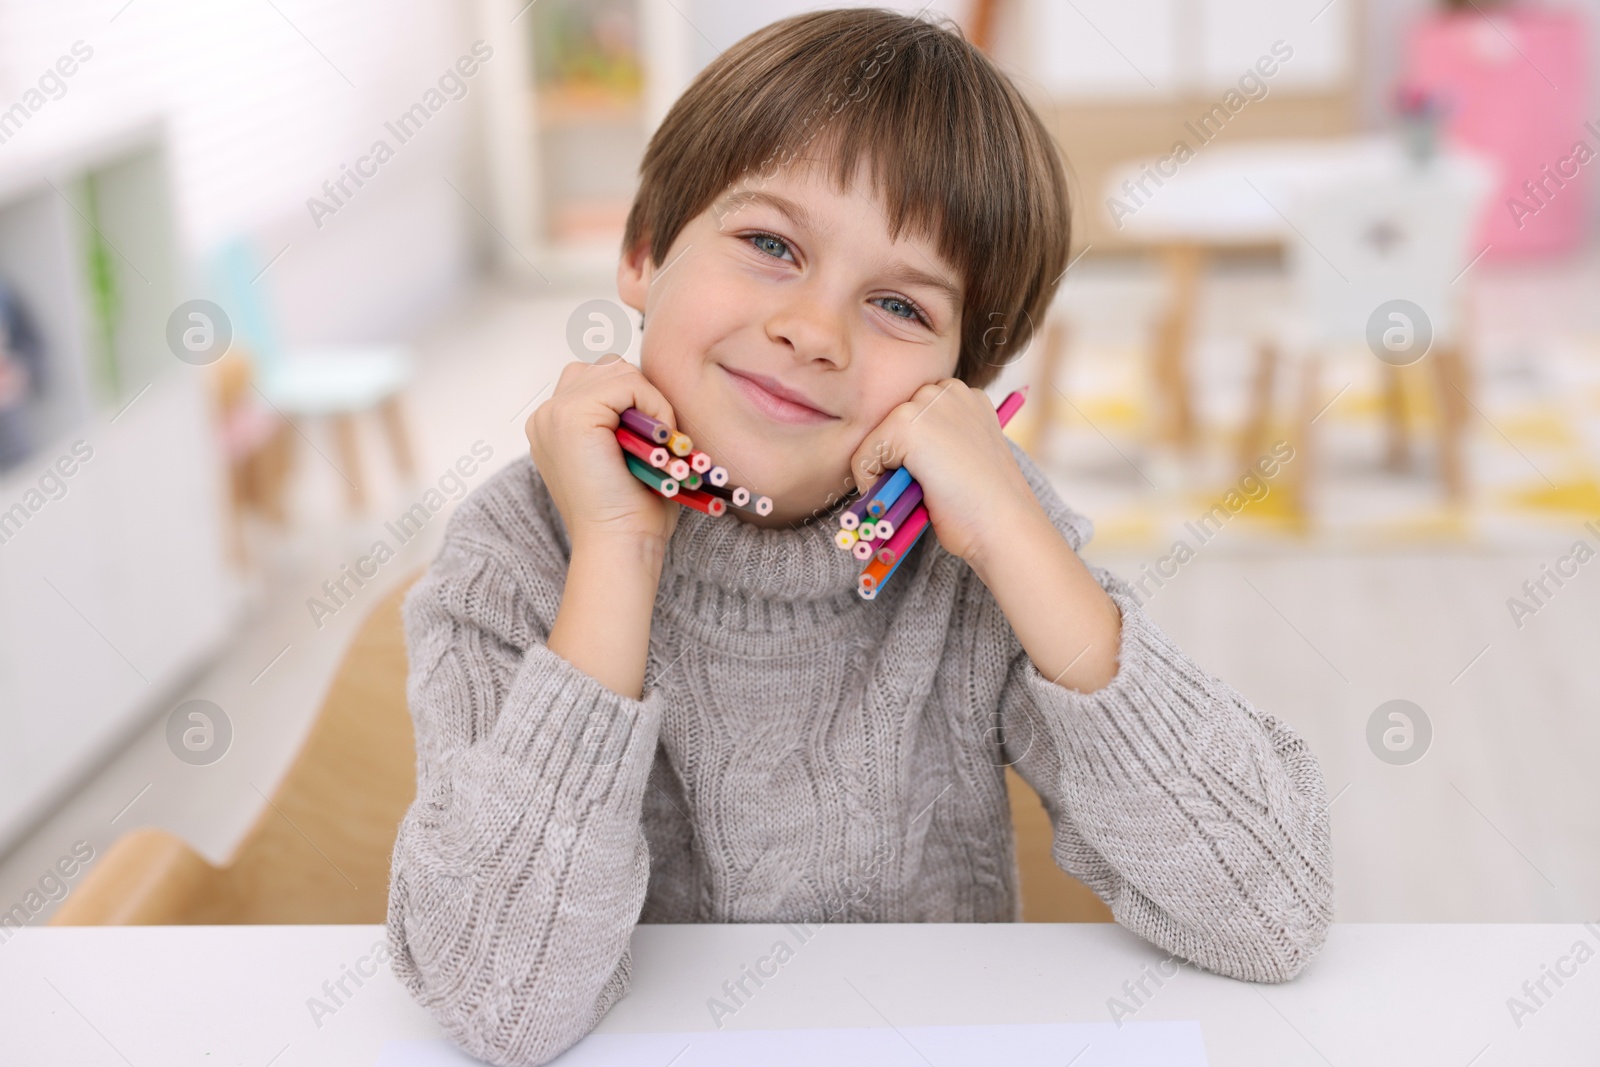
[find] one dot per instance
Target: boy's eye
(898, 306)
(772, 246)
(902, 308)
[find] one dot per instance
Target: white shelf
(116, 589)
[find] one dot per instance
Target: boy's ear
(634, 272)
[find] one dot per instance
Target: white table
(1237, 195)
(1378, 994)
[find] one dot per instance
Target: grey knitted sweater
(802, 755)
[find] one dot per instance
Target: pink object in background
(1514, 83)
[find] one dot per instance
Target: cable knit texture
(802, 755)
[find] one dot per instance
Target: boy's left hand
(948, 436)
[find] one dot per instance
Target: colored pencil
(851, 516)
(680, 470)
(903, 506)
(654, 455)
(1008, 407)
(884, 497)
(868, 530)
(862, 550)
(845, 539)
(877, 573)
(891, 551)
(711, 505)
(661, 483)
(872, 594)
(646, 427)
(871, 577)
(737, 495)
(883, 531)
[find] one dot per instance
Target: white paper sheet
(1134, 1044)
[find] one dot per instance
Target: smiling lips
(777, 402)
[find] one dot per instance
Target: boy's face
(785, 283)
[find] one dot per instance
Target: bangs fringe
(952, 150)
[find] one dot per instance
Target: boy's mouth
(772, 399)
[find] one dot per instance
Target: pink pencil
(1008, 407)
(904, 537)
(886, 559)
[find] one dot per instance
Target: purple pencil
(646, 427)
(903, 506)
(851, 516)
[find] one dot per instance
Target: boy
(628, 711)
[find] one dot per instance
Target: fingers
(890, 442)
(615, 384)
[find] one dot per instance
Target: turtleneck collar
(725, 578)
(799, 563)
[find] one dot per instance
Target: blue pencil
(884, 499)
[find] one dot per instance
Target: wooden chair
(1376, 250)
(319, 852)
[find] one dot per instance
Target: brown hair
(953, 149)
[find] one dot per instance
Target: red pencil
(701, 501)
(654, 455)
(699, 462)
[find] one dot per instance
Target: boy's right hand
(572, 437)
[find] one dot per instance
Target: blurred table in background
(1227, 199)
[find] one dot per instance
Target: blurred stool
(258, 444)
(1360, 249)
(336, 383)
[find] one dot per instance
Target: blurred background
(281, 281)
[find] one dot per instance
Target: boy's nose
(812, 328)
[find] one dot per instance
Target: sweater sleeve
(1202, 821)
(521, 867)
